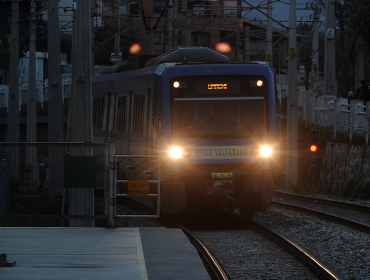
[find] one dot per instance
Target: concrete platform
(97, 253)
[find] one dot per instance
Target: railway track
(257, 252)
(350, 214)
(231, 252)
(336, 235)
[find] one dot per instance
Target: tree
(359, 18)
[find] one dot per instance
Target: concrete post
(31, 100)
(292, 121)
(359, 72)
(55, 110)
(341, 116)
(315, 49)
(188, 28)
(80, 111)
(329, 65)
(13, 116)
(247, 45)
(269, 32)
(111, 185)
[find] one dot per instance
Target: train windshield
(231, 109)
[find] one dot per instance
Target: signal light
(313, 141)
(313, 148)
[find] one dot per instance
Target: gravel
(345, 251)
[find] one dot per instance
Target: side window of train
(148, 111)
(98, 112)
(138, 114)
(121, 116)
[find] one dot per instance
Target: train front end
(220, 137)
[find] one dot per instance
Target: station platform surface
(98, 253)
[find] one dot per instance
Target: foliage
(359, 18)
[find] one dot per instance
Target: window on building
(230, 8)
(200, 39)
(133, 9)
(159, 38)
(230, 37)
(200, 8)
(158, 6)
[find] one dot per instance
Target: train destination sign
(227, 86)
(217, 86)
(137, 188)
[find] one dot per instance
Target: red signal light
(313, 148)
(135, 49)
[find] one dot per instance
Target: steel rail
(353, 224)
(306, 259)
(323, 201)
(212, 265)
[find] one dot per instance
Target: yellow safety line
(140, 254)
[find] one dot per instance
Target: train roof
(185, 55)
(181, 56)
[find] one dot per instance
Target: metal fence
(54, 184)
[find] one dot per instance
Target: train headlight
(176, 152)
(266, 151)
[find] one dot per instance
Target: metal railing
(33, 189)
(125, 192)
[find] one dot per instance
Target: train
(211, 122)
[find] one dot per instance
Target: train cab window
(98, 112)
(228, 110)
(121, 116)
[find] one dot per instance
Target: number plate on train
(225, 175)
(137, 188)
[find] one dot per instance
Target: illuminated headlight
(266, 151)
(176, 152)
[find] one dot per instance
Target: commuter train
(212, 122)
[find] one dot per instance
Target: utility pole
(13, 116)
(55, 110)
(170, 27)
(329, 66)
(175, 11)
(359, 73)
(117, 56)
(292, 171)
(80, 111)
(269, 32)
(247, 45)
(315, 48)
(31, 100)
(188, 27)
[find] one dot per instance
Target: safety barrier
(336, 113)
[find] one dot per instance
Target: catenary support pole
(269, 32)
(31, 100)
(329, 65)
(55, 110)
(81, 200)
(292, 170)
(13, 116)
(315, 49)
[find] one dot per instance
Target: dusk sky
(280, 11)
